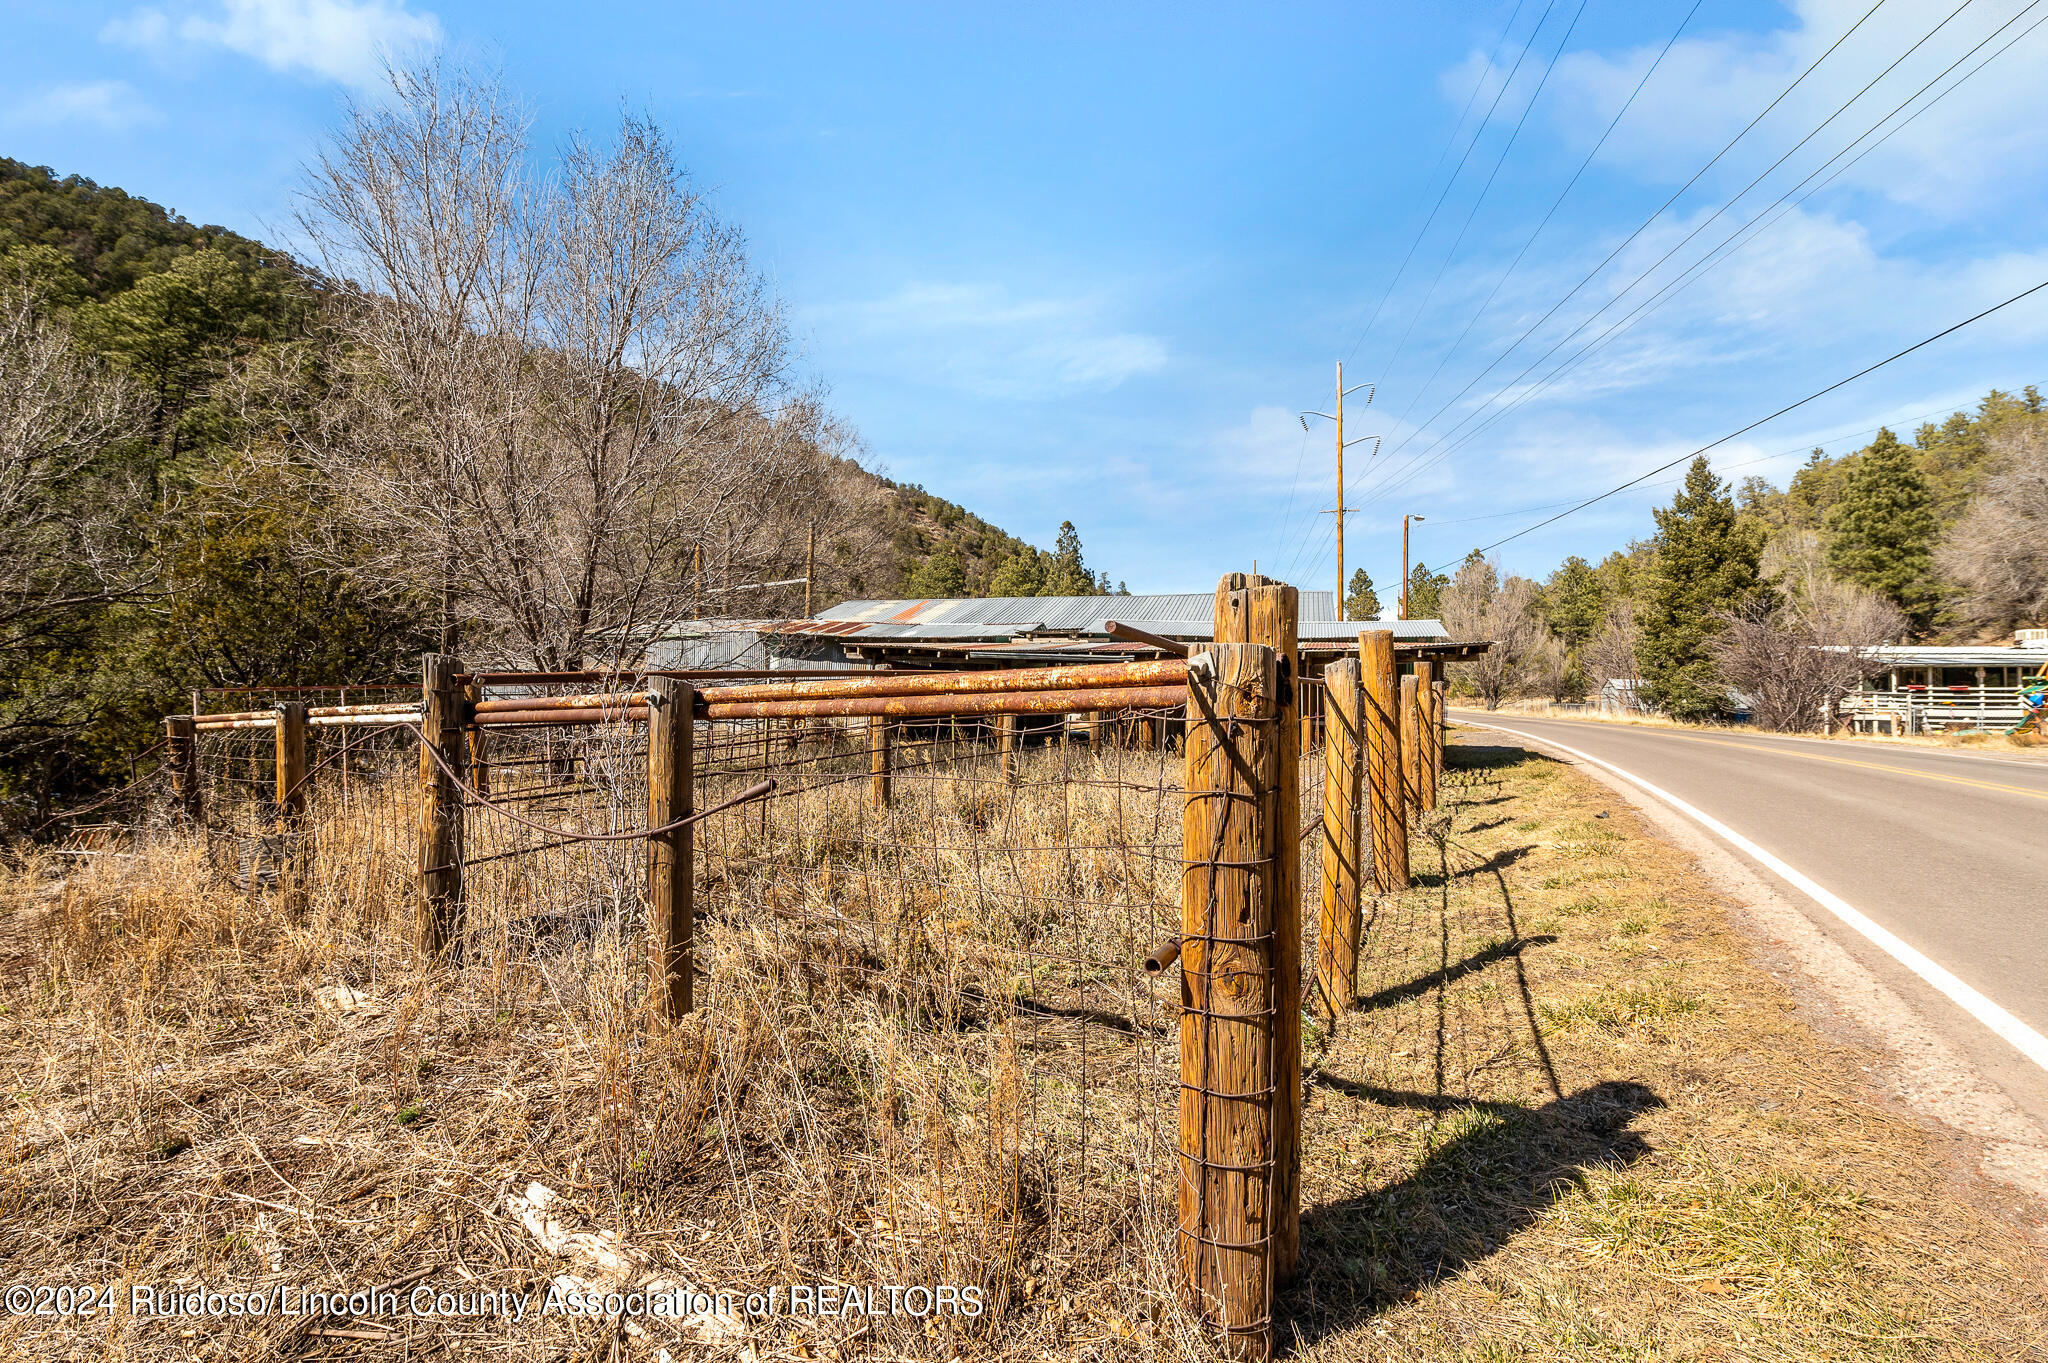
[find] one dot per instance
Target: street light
(1404, 560)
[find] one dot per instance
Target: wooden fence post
(181, 744)
(1337, 931)
(671, 910)
(1439, 727)
(440, 920)
(291, 761)
(1381, 724)
(1431, 764)
(1006, 745)
(878, 762)
(1411, 743)
(1231, 1075)
(1094, 731)
(1251, 609)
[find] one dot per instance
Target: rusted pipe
(614, 700)
(1068, 678)
(1132, 634)
(633, 714)
(1163, 956)
(978, 703)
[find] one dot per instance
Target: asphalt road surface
(1947, 851)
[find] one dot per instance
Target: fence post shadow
(1466, 1201)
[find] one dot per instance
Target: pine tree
(1361, 602)
(1573, 602)
(1880, 535)
(1068, 575)
(940, 576)
(1021, 574)
(1425, 593)
(1704, 564)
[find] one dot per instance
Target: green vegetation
(1706, 563)
(1361, 602)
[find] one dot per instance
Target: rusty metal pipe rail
(1071, 677)
(979, 703)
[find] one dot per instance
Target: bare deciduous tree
(1610, 654)
(1796, 658)
(1997, 554)
(1478, 605)
(60, 410)
(563, 393)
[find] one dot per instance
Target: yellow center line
(1872, 766)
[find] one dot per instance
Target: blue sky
(1088, 262)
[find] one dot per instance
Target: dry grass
(1570, 1122)
(1600, 1132)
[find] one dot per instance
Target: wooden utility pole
(1339, 509)
(810, 565)
(181, 755)
(440, 919)
(1382, 726)
(1432, 756)
(1255, 610)
(1404, 560)
(1233, 996)
(671, 911)
(1337, 930)
(878, 762)
(291, 762)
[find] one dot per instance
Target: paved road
(1947, 850)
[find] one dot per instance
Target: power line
(1450, 442)
(1645, 224)
(1492, 63)
(1430, 293)
(1790, 407)
(1556, 203)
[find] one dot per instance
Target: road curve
(1947, 851)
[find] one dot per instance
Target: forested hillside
(197, 489)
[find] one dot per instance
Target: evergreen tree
(941, 575)
(1021, 574)
(1880, 535)
(1361, 602)
(1573, 602)
(1425, 593)
(1068, 575)
(1704, 564)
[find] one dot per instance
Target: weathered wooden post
(1412, 748)
(1148, 734)
(1232, 1077)
(671, 910)
(1431, 764)
(1440, 727)
(1006, 745)
(1257, 610)
(1381, 723)
(291, 762)
(1337, 930)
(181, 755)
(878, 762)
(1094, 731)
(440, 920)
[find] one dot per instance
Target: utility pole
(810, 565)
(1339, 510)
(1404, 560)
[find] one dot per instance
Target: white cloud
(1972, 147)
(982, 340)
(111, 104)
(338, 40)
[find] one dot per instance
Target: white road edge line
(2017, 1034)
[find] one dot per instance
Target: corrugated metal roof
(1057, 612)
(1961, 655)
